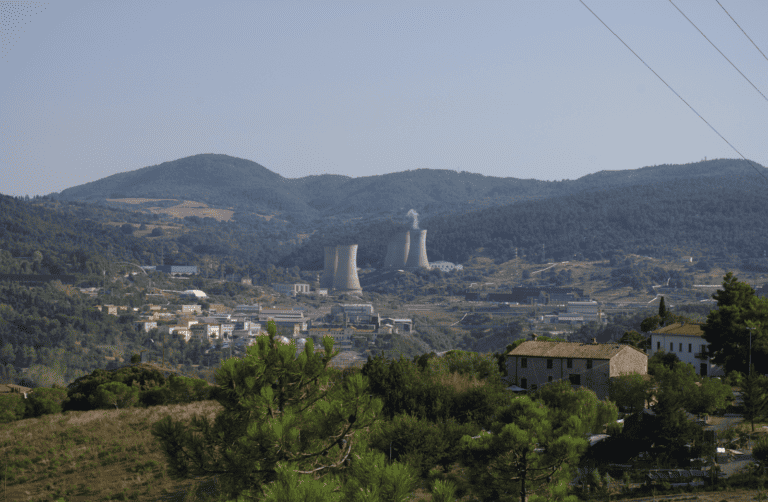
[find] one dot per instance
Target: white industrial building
(291, 289)
(445, 266)
(589, 310)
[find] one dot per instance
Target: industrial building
(175, 269)
(589, 311)
(445, 266)
(291, 289)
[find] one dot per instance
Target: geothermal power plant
(408, 250)
(405, 250)
(340, 269)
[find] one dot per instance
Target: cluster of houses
(352, 326)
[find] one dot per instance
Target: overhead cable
(742, 29)
(718, 50)
(676, 94)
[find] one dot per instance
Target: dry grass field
(185, 208)
(92, 455)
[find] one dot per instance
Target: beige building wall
(629, 361)
(537, 373)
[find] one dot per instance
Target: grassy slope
(92, 455)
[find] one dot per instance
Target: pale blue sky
(516, 88)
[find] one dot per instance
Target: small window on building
(549, 379)
(681, 347)
(570, 363)
(589, 364)
(575, 379)
(690, 347)
(671, 347)
(523, 362)
(524, 383)
(549, 364)
(658, 345)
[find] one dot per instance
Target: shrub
(12, 408)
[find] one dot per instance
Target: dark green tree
(284, 425)
(727, 331)
(662, 310)
(115, 394)
(531, 447)
(636, 340)
(630, 391)
(754, 392)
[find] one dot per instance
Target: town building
(188, 309)
(206, 331)
(180, 331)
(146, 325)
(535, 363)
(398, 325)
(685, 340)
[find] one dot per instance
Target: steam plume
(413, 214)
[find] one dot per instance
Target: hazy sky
(515, 88)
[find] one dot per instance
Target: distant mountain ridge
(225, 181)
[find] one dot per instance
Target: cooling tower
(329, 269)
(397, 250)
(389, 259)
(417, 252)
(346, 269)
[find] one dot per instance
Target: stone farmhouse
(535, 363)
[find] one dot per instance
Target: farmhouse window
(570, 362)
(589, 364)
(523, 362)
(549, 364)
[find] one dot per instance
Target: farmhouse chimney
(594, 341)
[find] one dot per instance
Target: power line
(718, 50)
(742, 30)
(676, 94)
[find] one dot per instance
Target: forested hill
(711, 216)
(224, 181)
(67, 243)
(703, 217)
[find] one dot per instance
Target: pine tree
(286, 432)
(662, 310)
(754, 392)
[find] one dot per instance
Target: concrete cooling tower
(397, 250)
(329, 269)
(346, 269)
(417, 252)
